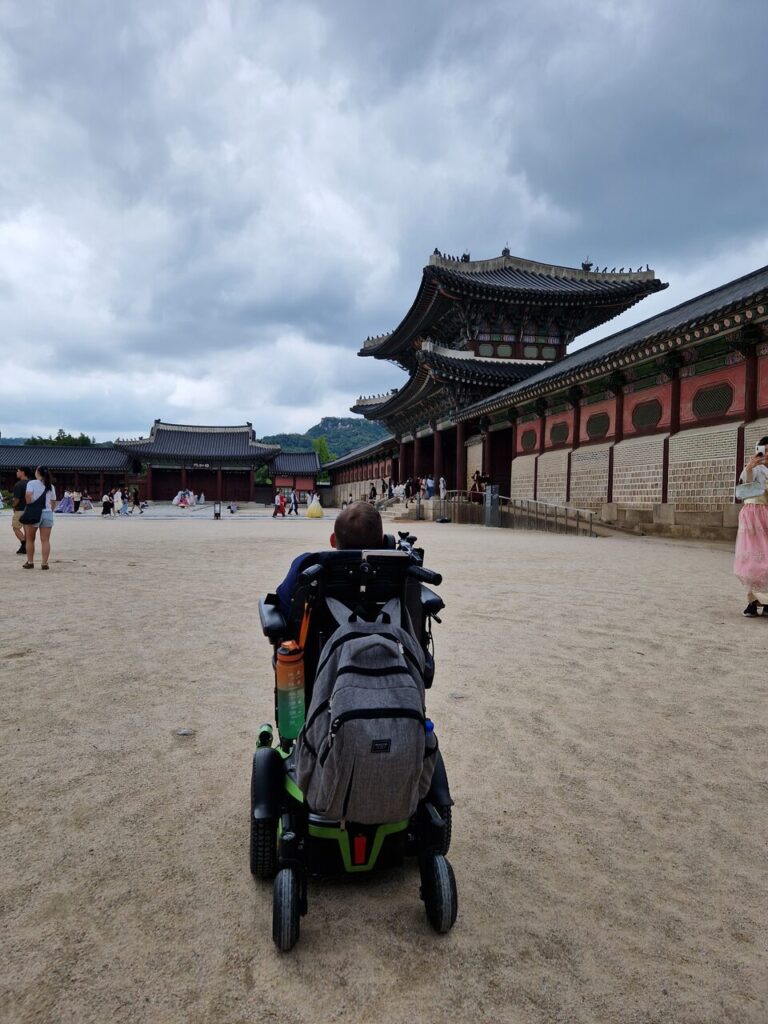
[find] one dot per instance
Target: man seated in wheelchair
(358, 760)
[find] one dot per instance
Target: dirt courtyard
(601, 706)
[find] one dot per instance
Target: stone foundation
(552, 477)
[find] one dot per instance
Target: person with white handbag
(750, 563)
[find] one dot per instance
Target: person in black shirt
(19, 504)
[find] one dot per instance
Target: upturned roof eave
(607, 362)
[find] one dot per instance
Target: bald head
(358, 526)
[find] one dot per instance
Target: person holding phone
(750, 563)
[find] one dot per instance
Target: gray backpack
(363, 754)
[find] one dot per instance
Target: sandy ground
(602, 710)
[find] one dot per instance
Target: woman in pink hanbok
(750, 563)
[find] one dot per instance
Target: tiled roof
(296, 464)
(65, 458)
(366, 450)
(176, 440)
(686, 314)
(461, 367)
(590, 297)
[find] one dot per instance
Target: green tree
(324, 453)
(62, 438)
(262, 475)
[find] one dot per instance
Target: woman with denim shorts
(35, 488)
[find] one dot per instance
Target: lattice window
(711, 402)
(531, 351)
(528, 440)
(548, 352)
(646, 415)
(559, 433)
(597, 425)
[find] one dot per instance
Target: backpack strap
(339, 611)
(391, 612)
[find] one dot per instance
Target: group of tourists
(186, 499)
(287, 504)
(122, 503)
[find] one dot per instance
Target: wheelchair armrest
(431, 602)
(273, 624)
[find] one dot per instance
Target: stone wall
(523, 470)
(702, 468)
(552, 477)
(637, 471)
(589, 476)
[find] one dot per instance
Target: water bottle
(290, 689)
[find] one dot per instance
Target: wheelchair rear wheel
(286, 910)
(438, 890)
(263, 848)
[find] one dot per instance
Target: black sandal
(44, 566)
(28, 565)
(751, 610)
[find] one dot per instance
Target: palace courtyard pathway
(601, 705)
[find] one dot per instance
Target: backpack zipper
(348, 716)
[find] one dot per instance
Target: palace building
(220, 462)
(648, 425)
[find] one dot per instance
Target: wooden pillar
(417, 457)
(218, 483)
(251, 483)
(488, 453)
(183, 478)
(149, 483)
(437, 458)
(541, 409)
(575, 395)
(401, 466)
(750, 384)
(619, 428)
(101, 485)
(461, 458)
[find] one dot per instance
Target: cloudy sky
(205, 207)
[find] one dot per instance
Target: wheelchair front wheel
(286, 910)
(438, 890)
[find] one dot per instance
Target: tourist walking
(430, 486)
(38, 515)
(106, 504)
(294, 502)
(750, 563)
(279, 509)
(77, 497)
(443, 488)
(19, 504)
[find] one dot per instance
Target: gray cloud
(210, 205)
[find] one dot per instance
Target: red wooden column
(671, 366)
(218, 483)
(750, 384)
(101, 486)
(251, 483)
(149, 483)
(461, 458)
(401, 466)
(437, 457)
(183, 478)
(575, 396)
(541, 409)
(488, 452)
(417, 457)
(616, 385)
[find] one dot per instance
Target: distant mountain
(12, 440)
(343, 434)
